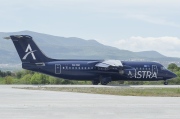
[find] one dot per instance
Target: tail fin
(28, 50)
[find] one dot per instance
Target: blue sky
(135, 25)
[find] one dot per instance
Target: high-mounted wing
(108, 63)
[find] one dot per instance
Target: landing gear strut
(165, 82)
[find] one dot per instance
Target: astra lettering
(144, 74)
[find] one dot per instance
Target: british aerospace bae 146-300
(97, 71)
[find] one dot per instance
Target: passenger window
(72, 67)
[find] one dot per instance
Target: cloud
(154, 20)
(169, 46)
(103, 19)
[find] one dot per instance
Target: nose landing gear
(165, 82)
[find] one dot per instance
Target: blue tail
(27, 49)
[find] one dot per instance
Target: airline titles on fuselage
(144, 73)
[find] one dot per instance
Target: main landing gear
(95, 82)
(102, 80)
(165, 82)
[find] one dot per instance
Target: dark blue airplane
(97, 71)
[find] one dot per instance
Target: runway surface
(34, 104)
(107, 86)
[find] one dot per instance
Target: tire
(165, 83)
(104, 80)
(95, 82)
(103, 83)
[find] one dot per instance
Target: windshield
(163, 68)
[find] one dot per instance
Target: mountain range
(75, 48)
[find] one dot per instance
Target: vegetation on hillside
(29, 77)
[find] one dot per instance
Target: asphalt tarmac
(34, 104)
(107, 86)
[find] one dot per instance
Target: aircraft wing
(108, 63)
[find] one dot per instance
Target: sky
(135, 25)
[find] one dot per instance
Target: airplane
(97, 71)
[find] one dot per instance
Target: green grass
(157, 92)
(1, 80)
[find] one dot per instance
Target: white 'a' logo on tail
(29, 51)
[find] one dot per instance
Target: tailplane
(27, 49)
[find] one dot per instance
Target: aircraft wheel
(165, 83)
(104, 83)
(95, 82)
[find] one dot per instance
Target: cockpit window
(163, 68)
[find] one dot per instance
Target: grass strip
(156, 92)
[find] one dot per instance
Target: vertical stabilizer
(28, 50)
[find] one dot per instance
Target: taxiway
(35, 104)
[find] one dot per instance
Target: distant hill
(150, 54)
(74, 48)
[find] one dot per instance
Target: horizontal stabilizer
(7, 38)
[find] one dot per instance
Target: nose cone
(171, 75)
(174, 75)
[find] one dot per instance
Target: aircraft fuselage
(87, 70)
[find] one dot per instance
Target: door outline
(154, 69)
(57, 68)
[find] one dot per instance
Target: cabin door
(154, 69)
(57, 69)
